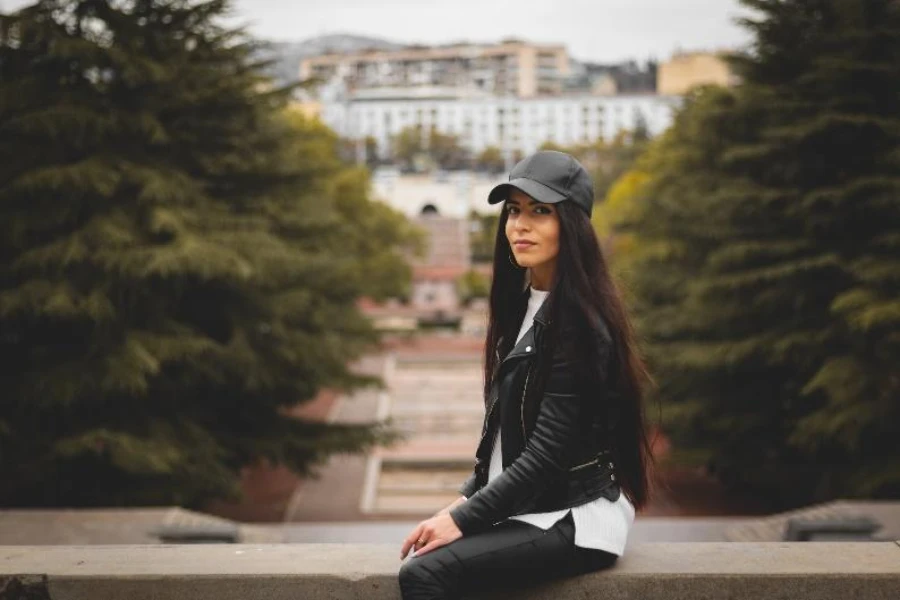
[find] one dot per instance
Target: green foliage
(491, 159)
(766, 259)
(551, 145)
(408, 144)
(472, 284)
(483, 232)
(418, 151)
(180, 260)
(446, 150)
(359, 151)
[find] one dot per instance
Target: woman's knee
(411, 572)
(434, 575)
(418, 579)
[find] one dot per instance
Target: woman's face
(532, 229)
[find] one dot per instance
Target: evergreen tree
(180, 259)
(767, 267)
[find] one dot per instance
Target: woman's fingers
(410, 540)
(434, 532)
(433, 544)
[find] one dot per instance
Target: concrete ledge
(664, 571)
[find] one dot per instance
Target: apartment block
(510, 68)
(509, 123)
(690, 69)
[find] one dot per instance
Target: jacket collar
(526, 345)
(542, 315)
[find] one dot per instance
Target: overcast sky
(601, 30)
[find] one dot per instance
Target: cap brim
(538, 191)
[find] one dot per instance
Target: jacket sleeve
(468, 487)
(547, 454)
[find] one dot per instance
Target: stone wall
(670, 571)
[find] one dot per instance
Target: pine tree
(180, 259)
(768, 269)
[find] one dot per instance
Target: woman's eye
(540, 210)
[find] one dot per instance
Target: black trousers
(510, 554)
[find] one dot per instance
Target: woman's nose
(522, 222)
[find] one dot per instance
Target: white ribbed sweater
(599, 524)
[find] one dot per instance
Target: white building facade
(511, 124)
(449, 194)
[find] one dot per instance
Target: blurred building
(435, 296)
(689, 69)
(510, 68)
(514, 95)
(448, 256)
(440, 203)
(600, 79)
(596, 82)
(447, 193)
(515, 125)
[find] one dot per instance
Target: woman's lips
(523, 245)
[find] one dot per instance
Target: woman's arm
(468, 487)
(451, 506)
(547, 454)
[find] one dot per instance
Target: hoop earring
(513, 262)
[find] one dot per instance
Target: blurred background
(245, 252)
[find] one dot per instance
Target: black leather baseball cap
(549, 176)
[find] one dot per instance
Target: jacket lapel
(526, 345)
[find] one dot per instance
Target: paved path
(435, 401)
(336, 494)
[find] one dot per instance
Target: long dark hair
(581, 293)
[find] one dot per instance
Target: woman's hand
(431, 533)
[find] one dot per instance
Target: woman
(564, 458)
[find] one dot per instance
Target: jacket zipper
(581, 466)
(524, 389)
(495, 385)
(593, 461)
(487, 419)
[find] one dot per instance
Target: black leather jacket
(555, 447)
